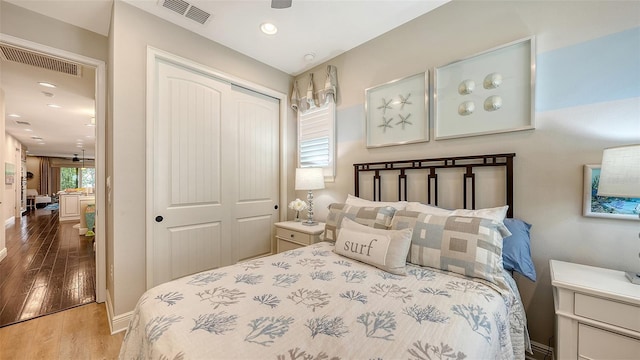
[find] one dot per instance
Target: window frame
(326, 116)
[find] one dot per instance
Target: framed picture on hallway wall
(397, 113)
(9, 173)
(606, 206)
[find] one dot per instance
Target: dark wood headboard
(465, 163)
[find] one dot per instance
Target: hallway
(48, 268)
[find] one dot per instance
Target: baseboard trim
(10, 221)
(540, 352)
(3, 254)
(117, 323)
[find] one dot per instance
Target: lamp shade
(620, 172)
(309, 179)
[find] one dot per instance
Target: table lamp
(620, 177)
(309, 179)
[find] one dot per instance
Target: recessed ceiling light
(28, 129)
(46, 84)
(54, 106)
(268, 28)
(14, 115)
(309, 57)
(91, 125)
(41, 143)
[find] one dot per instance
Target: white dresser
(597, 313)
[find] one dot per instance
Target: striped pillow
(375, 217)
(469, 246)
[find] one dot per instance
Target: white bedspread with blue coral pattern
(311, 303)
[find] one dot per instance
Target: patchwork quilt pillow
(465, 245)
(384, 249)
(375, 217)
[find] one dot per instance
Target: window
(316, 138)
(71, 178)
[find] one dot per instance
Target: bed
(330, 301)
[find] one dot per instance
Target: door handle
(159, 218)
(276, 207)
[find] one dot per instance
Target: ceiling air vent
(32, 58)
(25, 123)
(187, 10)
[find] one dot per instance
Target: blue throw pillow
(516, 249)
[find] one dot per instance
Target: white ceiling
(324, 28)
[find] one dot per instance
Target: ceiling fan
(280, 4)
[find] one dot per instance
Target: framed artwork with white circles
(491, 92)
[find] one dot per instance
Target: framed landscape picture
(605, 206)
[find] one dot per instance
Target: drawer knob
(291, 235)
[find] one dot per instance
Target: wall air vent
(187, 10)
(33, 58)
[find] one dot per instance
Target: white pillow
(427, 209)
(496, 214)
(356, 201)
(384, 249)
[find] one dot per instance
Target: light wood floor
(78, 333)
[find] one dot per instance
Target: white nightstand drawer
(611, 312)
(292, 235)
(283, 245)
(594, 343)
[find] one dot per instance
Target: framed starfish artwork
(397, 112)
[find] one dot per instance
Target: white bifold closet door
(215, 173)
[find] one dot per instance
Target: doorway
(99, 123)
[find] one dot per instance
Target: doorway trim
(100, 114)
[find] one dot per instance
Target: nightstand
(292, 234)
(597, 312)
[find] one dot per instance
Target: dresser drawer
(295, 236)
(607, 311)
(594, 343)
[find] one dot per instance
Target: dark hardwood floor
(48, 268)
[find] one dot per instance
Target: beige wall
(28, 25)
(12, 149)
(550, 159)
(3, 245)
(132, 31)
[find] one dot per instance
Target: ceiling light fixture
(14, 115)
(27, 129)
(47, 84)
(309, 57)
(54, 106)
(268, 28)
